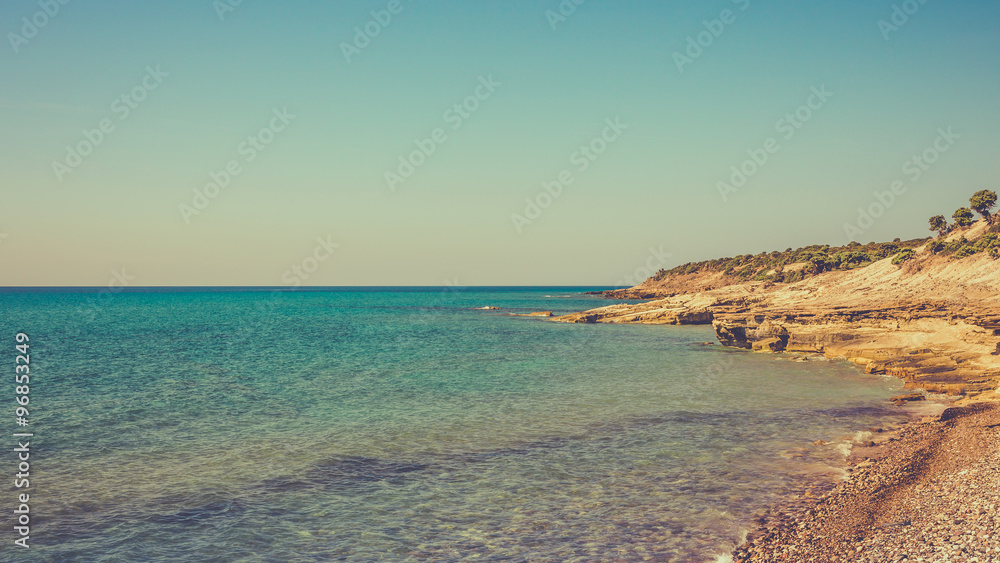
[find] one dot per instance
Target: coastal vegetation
(982, 202)
(963, 217)
(963, 248)
(904, 256)
(940, 224)
(794, 265)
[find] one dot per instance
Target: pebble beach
(927, 492)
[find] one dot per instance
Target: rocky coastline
(928, 492)
(937, 328)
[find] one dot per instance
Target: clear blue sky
(323, 175)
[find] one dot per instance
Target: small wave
(863, 436)
(843, 448)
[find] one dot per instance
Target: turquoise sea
(408, 424)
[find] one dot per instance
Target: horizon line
(304, 287)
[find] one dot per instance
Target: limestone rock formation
(935, 324)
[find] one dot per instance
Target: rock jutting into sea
(933, 322)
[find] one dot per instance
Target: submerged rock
(769, 345)
(909, 397)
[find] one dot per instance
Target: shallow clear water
(395, 425)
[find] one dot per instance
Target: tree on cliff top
(940, 224)
(982, 202)
(963, 217)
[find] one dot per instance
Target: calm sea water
(401, 425)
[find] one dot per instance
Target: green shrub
(850, 260)
(954, 246)
(887, 249)
(795, 276)
(965, 252)
(903, 256)
(985, 242)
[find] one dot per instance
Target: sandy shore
(929, 492)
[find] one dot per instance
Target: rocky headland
(927, 492)
(933, 321)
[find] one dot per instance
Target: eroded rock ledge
(940, 354)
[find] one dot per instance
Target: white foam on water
(744, 534)
(844, 448)
(863, 436)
